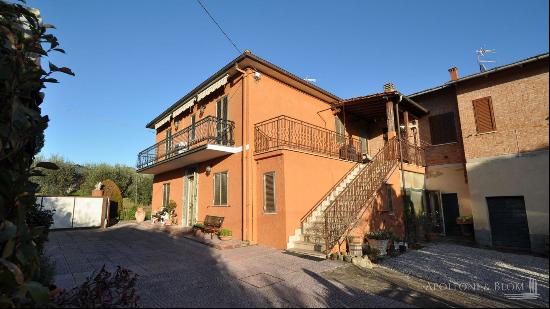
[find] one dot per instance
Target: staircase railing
(342, 213)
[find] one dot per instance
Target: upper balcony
(207, 139)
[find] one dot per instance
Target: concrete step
(308, 246)
(307, 253)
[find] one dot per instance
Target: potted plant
(372, 253)
(140, 215)
(379, 240)
(198, 229)
(225, 234)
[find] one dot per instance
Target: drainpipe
(243, 157)
(404, 190)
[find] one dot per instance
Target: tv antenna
(481, 62)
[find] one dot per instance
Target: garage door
(509, 228)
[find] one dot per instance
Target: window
(443, 128)
(168, 140)
(340, 130)
(269, 192)
(483, 113)
(220, 189)
(165, 194)
(221, 115)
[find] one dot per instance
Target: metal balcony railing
(284, 132)
(209, 130)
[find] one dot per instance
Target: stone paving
(177, 272)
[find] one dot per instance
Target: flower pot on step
(225, 238)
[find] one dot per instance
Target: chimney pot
(389, 87)
(454, 73)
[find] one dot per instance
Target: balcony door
(222, 130)
(190, 211)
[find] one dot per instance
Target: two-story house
(286, 163)
(489, 152)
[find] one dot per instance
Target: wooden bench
(212, 224)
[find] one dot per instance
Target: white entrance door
(190, 211)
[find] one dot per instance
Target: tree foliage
(23, 40)
(74, 179)
(65, 180)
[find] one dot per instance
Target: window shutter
(217, 189)
(223, 189)
(443, 128)
(269, 192)
(220, 188)
(166, 194)
(483, 112)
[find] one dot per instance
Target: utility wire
(217, 24)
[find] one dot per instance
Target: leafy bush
(199, 226)
(225, 232)
(24, 40)
(380, 235)
(102, 290)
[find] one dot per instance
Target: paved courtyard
(177, 272)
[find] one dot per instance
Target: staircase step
(307, 253)
(305, 245)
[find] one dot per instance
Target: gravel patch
(475, 270)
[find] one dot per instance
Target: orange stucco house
(286, 163)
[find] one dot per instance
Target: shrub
(225, 232)
(102, 290)
(24, 41)
(198, 226)
(380, 235)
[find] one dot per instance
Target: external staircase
(337, 212)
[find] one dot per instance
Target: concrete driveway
(177, 272)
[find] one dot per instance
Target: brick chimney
(454, 73)
(389, 87)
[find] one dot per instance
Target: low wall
(76, 211)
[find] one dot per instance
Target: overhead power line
(219, 27)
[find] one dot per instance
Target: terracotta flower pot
(168, 222)
(225, 238)
(140, 215)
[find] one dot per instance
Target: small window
(165, 194)
(269, 192)
(483, 113)
(220, 189)
(443, 128)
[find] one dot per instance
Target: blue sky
(133, 59)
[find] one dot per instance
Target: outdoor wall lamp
(208, 169)
(201, 111)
